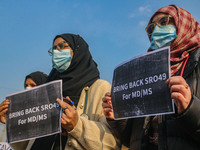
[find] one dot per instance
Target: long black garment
(82, 72)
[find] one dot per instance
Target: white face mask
(28, 88)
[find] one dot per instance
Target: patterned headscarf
(188, 35)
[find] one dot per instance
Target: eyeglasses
(161, 22)
(61, 45)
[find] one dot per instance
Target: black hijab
(82, 71)
(38, 77)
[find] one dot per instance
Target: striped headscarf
(188, 35)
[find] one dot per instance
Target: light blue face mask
(163, 36)
(61, 59)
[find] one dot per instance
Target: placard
(34, 113)
(139, 88)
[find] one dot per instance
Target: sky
(113, 29)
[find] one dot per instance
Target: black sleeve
(122, 130)
(190, 119)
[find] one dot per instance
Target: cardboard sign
(139, 87)
(34, 113)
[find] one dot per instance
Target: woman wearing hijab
(84, 125)
(31, 80)
(35, 79)
(174, 26)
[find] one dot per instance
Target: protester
(174, 26)
(31, 80)
(35, 79)
(83, 124)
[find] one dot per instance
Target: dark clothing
(38, 77)
(176, 132)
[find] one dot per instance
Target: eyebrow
(60, 43)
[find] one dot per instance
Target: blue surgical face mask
(163, 36)
(61, 59)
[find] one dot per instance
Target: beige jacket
(92, 133)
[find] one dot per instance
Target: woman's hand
(3, 110)
(180, 92)
(69, 117)
(107, 106)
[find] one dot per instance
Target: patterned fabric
(188, 31)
